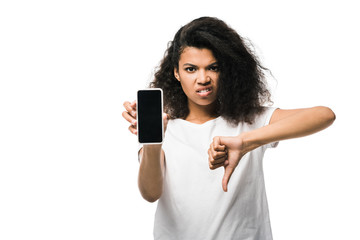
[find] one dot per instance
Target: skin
(198, 70)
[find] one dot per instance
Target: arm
(151, 172)
(287, 124)
(152, 159)
(284, 124)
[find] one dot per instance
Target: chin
(205, 102)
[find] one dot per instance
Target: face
(198, 74)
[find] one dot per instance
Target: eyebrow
(192, 65)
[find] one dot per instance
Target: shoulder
(265, 117)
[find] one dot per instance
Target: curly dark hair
(242, 90)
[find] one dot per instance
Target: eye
(214, 68)
(190, 69)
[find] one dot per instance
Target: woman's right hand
(130, 116)
(150, 175)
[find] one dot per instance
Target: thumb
(165, 117)
(228, 172)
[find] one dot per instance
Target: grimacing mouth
(208, 89)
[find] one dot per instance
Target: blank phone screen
(149, 108)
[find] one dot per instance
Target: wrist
(249, 141)
(151, 152)
(152, 147)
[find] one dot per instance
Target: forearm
(150, 178)
(302, 123)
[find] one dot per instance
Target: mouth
(204, 91)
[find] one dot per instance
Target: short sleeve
(140, 146)
(267, 117)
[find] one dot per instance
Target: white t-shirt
(193, 205)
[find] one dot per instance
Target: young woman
(215, 116)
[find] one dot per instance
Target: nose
(203, 78)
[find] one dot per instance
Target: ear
(176, 74)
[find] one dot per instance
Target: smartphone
(149, 116)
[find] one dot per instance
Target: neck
(200, 114)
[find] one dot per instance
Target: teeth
(205, 90)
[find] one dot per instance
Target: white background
(68, 165)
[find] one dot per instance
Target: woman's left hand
(226, 152)
(284, 124)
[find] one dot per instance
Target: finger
(165, 119)
(220, 148)
(214, 148)
(129, 118)
(133, 105)
(217, 144)
(218, 160)
(217, 155)
(129, 108)
(133, 130)
(228, 172)
(215, 166)
(165, 116)
(215, 163)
